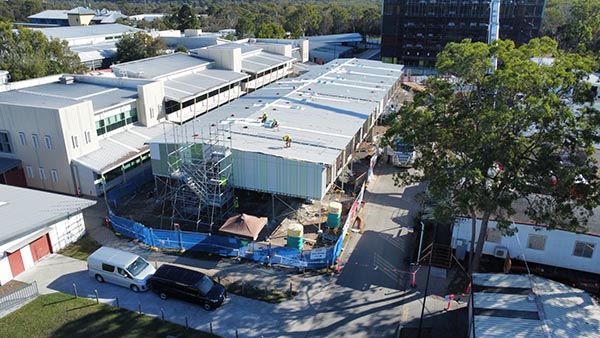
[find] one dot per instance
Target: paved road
(367, 298)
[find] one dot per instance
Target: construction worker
(275, 123)
(288, 141)
(264, 118)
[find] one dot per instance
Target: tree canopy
(573, 23)
(270, 30)
(139, 45)
(491, 139)
(184, 18)
(28, 54)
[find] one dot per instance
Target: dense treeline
(251, 18)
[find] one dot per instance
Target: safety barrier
(233, 247)
(223, 246)
(119, 195)
(13, 300)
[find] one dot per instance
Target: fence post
(211, 331)
(291, 289)
(236, 333)
(75, 289)
(186, 323)
(162, 313)
(117, 299)
(96, 292)
(140, 307)
(180, 239)
(151, 237)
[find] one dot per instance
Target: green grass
(82, 248)
(59, 315)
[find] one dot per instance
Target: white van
(121, 268)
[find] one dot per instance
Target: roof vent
(3, 203)
(67, 79)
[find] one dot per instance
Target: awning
(244, 225)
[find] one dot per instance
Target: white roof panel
(26, 210)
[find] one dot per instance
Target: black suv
(189, 285)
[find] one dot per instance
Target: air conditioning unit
(500, 252)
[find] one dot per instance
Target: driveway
(250, 317)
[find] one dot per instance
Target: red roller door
(40, 247)
(16, 263)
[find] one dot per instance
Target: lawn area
(64, 316)
(81, 249)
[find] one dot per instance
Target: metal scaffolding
(199, 186)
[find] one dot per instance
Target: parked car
(120, 267)
(188, 285)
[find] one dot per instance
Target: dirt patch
(11, 286)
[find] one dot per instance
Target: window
(536, 242)
(5, 146)
(88, 137)
(54, 175)
(42, 174)
(29, 171)
(108, 267)
(48, 142)
(493, 235)
(75, 142)
(36, 141)
(584, 249)
(22, 138)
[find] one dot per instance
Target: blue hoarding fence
(224, 246)
(119, 195)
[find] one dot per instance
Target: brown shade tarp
(244, 225)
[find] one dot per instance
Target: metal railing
(17, 298)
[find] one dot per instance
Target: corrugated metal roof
(28, 210)
(75, 32)
(50, 14)
(185, 87)
(122, 147)
(320, 124)
(59, 95)
(95, 51)
(262, 62)
(563, 311)
(161, 66)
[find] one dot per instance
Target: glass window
(54, 175)
(205, 284)
(108, 267)
(42, 174)
(5, 146)
(536, 242)
(29, 171)
(36, 141)
(137, 266)
(48, 142)
(22, 138)
(493, 235)
(584, 249)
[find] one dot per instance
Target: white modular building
(327, 112)
(35, 224)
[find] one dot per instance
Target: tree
(495, 139)
(341, 18)
(245, 27)
(184, 18)
(138, 45)
(271, 30)
(582, 25)
(302, 19)
(27, 54)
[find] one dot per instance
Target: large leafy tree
(184, 18)
(139, 45)
(27, 54)
(245, 27)
(493, 139)
(270, 30)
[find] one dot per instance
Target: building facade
(415, 31)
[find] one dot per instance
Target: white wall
(66, 232)
(61, 234)
(150, 105)
(558, 250)
(224, 57)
